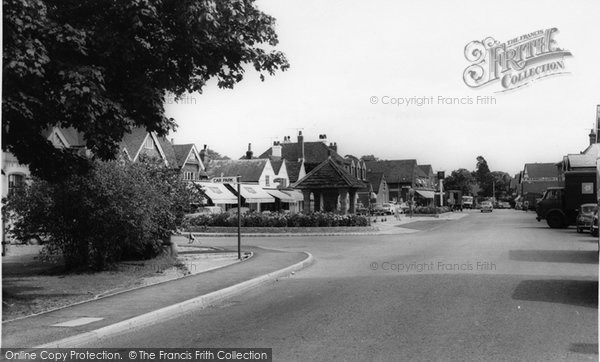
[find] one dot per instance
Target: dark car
(594, 228)
(585, 217)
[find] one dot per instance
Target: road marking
(77, 322)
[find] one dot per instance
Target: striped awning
(426, 194)
(254, 194)
(218, 193)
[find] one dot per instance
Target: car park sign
(224, 180)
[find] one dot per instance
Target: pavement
(106, 317)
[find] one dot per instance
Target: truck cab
(551, 207)
(560, 205)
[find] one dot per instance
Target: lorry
(467, 202)
(559, 205)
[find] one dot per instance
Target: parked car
(585, 217)
(594, 228)
(486, 206)
(384, 209)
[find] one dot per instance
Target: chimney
(249, 152)
(333, 146)
(204, 156)
(301, 143)
(593, 137)
(276, 150)
(323, 138)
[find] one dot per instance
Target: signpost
(235, 180)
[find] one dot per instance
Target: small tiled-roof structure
(328, 175)
(249, 170)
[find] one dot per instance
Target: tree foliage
(483, 177)
(105, 66)
(114, 212)
(461, 179)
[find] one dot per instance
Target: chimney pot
(249, 152)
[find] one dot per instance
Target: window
(267, 180)
(149, 143)
(189, 175)
(15, 182)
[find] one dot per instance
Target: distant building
(402, 175)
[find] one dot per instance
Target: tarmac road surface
(494, 286)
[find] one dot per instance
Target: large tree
(483, 176)
(105, 66)
(461, 179)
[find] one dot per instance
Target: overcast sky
(343, 53)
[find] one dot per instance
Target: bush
(270, 219)
(115, 212)
(431, 209)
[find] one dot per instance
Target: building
(403, 175)
(535, 179)
(330, 188)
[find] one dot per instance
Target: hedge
(270, 219)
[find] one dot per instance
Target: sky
(350, 60)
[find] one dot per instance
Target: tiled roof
(374, 178)
(314, 153)
(73, 137)
(250, 170)
(541, 170)
(181, 153)
(329, 175)
(427, 169)
(167, 148)
(293, 170)
(132, 142)
(396, 170)
(277, 165)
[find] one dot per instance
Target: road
(494, 286)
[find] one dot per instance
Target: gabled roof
(375, 178)
(328, 175)
(277, 165)
(396, 170)
(168, 150)
(250, 170)
(427, 169)
(182, 153)
(541, 170)
(133, 141)
(293, 170)
(73, 137)
(314, 153)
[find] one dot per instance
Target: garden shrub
(117, 211)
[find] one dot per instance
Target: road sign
(224, 180)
